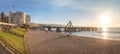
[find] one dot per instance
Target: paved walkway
(3, 50)
(41, 42)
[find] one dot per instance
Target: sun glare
(104, 32)
(104, 28)
(104, 35)
(105, 19)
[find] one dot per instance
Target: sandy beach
(42, 42)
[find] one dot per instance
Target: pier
(70, 28)
(73, 29)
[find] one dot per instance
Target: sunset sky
(80, 12)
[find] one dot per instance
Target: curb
(26, 45)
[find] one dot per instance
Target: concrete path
(3, 50)
(41, 42)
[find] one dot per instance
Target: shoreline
(89, 36)
(96, 38)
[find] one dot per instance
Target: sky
(80, 12)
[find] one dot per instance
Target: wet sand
(42, 42)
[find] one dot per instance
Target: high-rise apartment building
(15, 17)
(21, 17)
(28, 19)
(11, 16)
(18, 17)
(3, 16)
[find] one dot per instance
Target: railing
(13, 50)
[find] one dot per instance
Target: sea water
(111, 33)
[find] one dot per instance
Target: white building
(19, 17)
(28, 19)
(11, 17)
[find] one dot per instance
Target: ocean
(109, 33)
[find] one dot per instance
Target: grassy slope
(18, 31)
(14, 40)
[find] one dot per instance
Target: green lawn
(15, 41)
(18, 31)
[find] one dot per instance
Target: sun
(105, 19)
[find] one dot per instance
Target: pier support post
(65, 29)
(79, 29)
(58, 30)
(49, 29)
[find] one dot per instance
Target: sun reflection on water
(104, 29)
(104, 33)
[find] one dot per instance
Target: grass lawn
(15, 41)
(18, 31)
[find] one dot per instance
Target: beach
(43, 42)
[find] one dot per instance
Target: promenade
(3, 50)
(42, 42)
